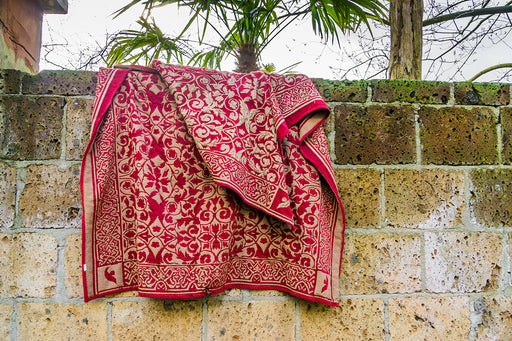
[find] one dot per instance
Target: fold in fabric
(196, 181)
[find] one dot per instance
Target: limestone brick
(73, 266)
(384, 90)
(496, 318)
(265, 293)
(463, 262)
(471, 93)
(382, 134)
(7, 195)
(426, 199)
(381, 263)
(458, 136)
(28, 263)
(426, 318)
(6, 311)
(359, 193)
(60, 82)
(256, 320)
(342, 91)
(51, 198)
(78, 124)
(32, 127)
(354, 319)
(10, 81)
(156, 320)
(55, 321)
(506, 131)
(491, 200)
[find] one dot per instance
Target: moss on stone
(428, 92)
(482, 93)
(342, 91)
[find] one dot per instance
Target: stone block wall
(424, 170)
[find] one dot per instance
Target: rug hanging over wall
(196, 181)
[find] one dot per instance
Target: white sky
(89, 21)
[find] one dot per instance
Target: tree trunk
(405, 19)
(246, 59)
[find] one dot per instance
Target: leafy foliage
(244, 28)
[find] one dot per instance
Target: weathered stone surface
(491, 199)
(78, 122)
(354, 319)
(496, 318)
(389, 91)
(32, 127)
(5, 320)
(458, 136)
(156, 320)
(73, 266)
(28, 263)
(10, 81)
(425, 318)
(381, 263)
(470, 93)
(463, 262)
(7, 195)
(359, 192)
(342, 91)
(382, 134)
(51, 198)
(61, 82)
(262, 293)
(55, 321)
(426, 199)
(510, 257)
(506, 129)
(256, 320)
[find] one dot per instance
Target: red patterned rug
(196, 181)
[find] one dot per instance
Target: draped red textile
(196, 181)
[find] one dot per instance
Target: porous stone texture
(425, 199)
(506, 130)
(463, 262)
(426, 318)
(258, 293)
(156, 320)
(31, 127)
(73, 266)
(55, 321)
(10, 81)
(470, 93)
(7, 195)
(491, 197)
(256, 320)
(389, 91)
(359, 192)
(344, 91)
(382, 134)
(496, 318)
(61, 82)
(381, 263)
(6, 311)
(78, 122)
(354, 319)
(28, 263)
(51, 197)
(458, 136)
